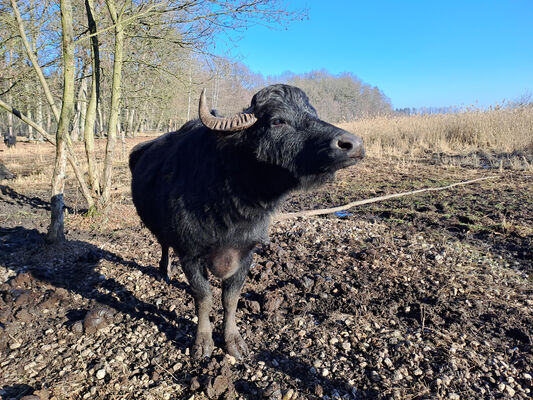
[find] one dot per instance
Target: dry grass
(503, 131)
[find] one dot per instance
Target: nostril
(344, 145)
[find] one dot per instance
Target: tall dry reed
(495, 131)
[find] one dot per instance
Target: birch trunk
(90, 117)
(56, 232)
(115, 102)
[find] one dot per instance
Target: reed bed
(506, 132)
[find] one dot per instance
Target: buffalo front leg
(231, 290)
(196, 274)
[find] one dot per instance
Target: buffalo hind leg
(165, 266)
(196, 273)
(231, 291)
(163, 263)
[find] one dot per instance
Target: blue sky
(419, 53)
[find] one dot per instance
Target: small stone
(388, 362)
(194, 383)
(288, 394)
(273, 391)
(374, 376)
(216, 387)
(96, 319)
(14, 346)
(510, 391)
(43, 394)
(397, 376)
(501, 387)
(254, 306)
(526, 376)
(346, 346)
(418, 372)
(325, 372)
(333, 341)
(77, 327)
(30, 365)
(454, 396)
(232, 360)
(100, 374)
(319, 390)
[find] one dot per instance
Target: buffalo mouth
(344, 161)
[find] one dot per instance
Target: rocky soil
(424, 297)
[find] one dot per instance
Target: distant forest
(164, 96)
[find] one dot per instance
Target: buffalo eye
(277, 122)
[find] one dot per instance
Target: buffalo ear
(234, 123)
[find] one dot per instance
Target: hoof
(236, 346)
(203, 346)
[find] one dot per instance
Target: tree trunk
(130, 122)
(56, 230)
(39, 118)
(88, 137)
(123, 141)
(90, 117)
(115, 102)
(10, 131)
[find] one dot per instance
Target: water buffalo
(10, 140)
(209, 190)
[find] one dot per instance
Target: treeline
(156, 98)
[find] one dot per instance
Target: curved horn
(234, 123)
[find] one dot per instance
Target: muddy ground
(424, 297)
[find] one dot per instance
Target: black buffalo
(210, 189)
(10, 140)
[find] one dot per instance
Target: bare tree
(56, 229)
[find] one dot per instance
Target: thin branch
(49, 138)
(11, 87)
(113, 26)
(323, 211)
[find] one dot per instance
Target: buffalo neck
(257, 184)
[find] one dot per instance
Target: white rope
(322, 211)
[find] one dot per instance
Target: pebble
(288, 395)
(510, 391)
(374, 376)
(100, 374)
(325, 372)
(397, 376)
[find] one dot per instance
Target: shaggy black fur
(207, 193)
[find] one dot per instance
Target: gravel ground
(426, 297)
